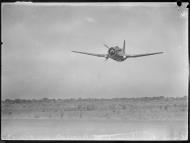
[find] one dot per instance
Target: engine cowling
(112, 51)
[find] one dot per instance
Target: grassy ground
(131, 119)
(57, 129)
(162, 109)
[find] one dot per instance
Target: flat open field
(56, 129)
(99, 119)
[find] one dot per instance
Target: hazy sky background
(37, 61)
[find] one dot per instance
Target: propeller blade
(106, 58)
(106, 46)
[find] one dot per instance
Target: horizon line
(80, 98)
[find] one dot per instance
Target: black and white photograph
(94, 71)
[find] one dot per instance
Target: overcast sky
(37, 61)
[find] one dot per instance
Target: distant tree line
(89, 99)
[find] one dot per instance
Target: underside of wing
(141, 55)
(91, 54)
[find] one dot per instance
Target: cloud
(90, 20)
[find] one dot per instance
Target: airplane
(116, 53)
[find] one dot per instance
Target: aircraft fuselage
(117, 54)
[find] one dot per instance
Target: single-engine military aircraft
(117, 53)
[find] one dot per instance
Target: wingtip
(75, 52)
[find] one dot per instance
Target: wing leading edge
(141, 55)
(91, 54)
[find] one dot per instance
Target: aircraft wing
(141, 55)
(91, 54)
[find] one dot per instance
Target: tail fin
(124, 47)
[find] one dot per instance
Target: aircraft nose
(111, 51)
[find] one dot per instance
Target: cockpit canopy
(117, 48)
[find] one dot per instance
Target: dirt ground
(56, 129)
(103, 119)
